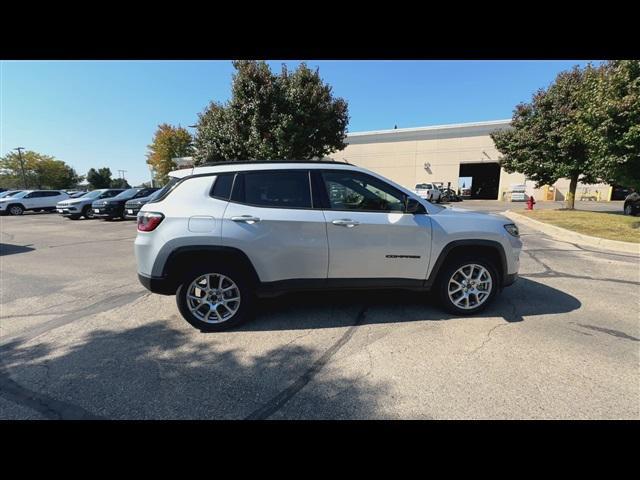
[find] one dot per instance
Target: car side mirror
(414, 206)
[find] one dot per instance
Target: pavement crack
(488, 339)
(279, 400)
(47, 406)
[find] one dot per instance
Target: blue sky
(104, 113)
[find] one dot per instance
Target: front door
(370, 235)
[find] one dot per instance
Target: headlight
(512, 229)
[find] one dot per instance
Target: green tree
(41, 171)
(168, 142)
(612, 120)
(99, 178)
(548, 140)
(119, 183)
(290, 116)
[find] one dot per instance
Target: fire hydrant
(530, 203)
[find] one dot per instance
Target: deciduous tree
(168, 142)
(290, 116)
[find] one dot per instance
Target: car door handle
(246, 219)
(346, 222)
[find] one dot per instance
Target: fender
(502, 268)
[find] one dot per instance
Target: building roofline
(431, 132)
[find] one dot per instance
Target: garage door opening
(485, 179)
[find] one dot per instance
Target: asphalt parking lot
(81, 338)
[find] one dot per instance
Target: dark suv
(132, 207)
(114, 207)
(632, 204)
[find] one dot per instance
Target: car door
(371, 236)
(271, 218)
(33, 200)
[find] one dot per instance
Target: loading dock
(485, 179)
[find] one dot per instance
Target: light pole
(24, 177)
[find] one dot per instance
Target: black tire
(447, 273)
(243, 284)
(628, 209)
(87, 212)
(15, 209)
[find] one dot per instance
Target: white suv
(35, 200)
(218, 236)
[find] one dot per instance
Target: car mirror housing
(414, 206)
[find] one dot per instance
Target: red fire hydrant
(530, 203)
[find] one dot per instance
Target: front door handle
(346, 222)
(246, 219)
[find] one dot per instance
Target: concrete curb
(575, 237)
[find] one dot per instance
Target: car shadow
(154, 371)
(10, 249)
(335, 309)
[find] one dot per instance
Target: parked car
(35, 200)
(217, 236)
(632, 204)
(132, 207)
(9, 193)
(74, 208)
(428, 191)
(114, 207)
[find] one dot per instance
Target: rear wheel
(467, 285)
(215, 297)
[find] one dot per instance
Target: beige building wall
(434, 154)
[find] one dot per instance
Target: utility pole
(24, 177)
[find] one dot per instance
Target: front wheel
(16, 210)
(215, 298)
(87, 212)
(628, 209)
(467, 285)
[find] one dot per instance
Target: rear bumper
(510, 279)
(158, 285)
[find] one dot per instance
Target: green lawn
(613, 226)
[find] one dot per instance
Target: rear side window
(274, 189)
(222, 186)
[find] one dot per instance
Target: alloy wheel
(469, 286)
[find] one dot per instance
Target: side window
(274, 189)
(35, 195)
(358, 191)
(110, 194)
(222, 187)
(52, 194)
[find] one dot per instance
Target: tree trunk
(571, 196)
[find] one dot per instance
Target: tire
(451, 274)
(15, 209)
(196, 313)
(87, 212)
(628, 209)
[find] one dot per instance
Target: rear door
(271, 218)
(370, 235)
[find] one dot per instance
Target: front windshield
(126, 194)
(9, 193)
(78, 194)
(93, 194)
(20, 194)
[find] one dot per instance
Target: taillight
(148, 221)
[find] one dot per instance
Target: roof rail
(244, 162)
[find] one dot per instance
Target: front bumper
(131, 212)
(107, 212)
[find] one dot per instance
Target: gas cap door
(201, 224)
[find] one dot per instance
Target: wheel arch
(491, 249)
(183, 258)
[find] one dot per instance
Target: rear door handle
(246, 219)
(346, 222)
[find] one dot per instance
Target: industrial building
(463, 155)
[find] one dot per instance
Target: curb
(575, 237)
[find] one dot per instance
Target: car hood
(472, 214)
